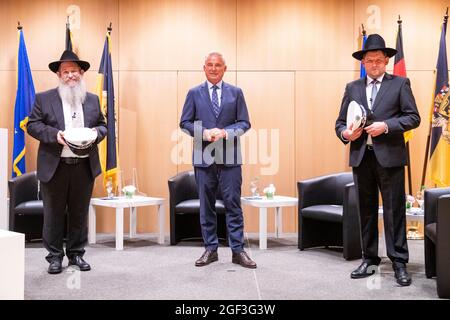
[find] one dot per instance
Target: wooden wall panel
(176, 34)
(151, 96)
(293, 35)
(270, 101)
(421, 27)
(291, 57)
(44, 30)
(4, 45)
(7, 100)
(318, 99)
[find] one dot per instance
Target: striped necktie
(215, 101)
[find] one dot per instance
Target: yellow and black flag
(440, 120)
(105, 92)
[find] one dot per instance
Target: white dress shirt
(73, 118)
(369, 86)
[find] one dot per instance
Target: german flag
(400, 67)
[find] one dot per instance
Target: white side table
(277, 202)
(12, 273)
(120, 203)
(414, 219)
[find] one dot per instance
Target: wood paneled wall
(291, 58)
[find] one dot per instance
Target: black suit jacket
(47, 118)
(394, 105)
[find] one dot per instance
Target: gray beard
(73, 95)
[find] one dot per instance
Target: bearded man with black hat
(66, 174)
(378, 155)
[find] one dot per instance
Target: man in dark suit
(66, 174)
(215, 114)
(378, 155)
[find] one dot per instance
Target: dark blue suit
(218, 163)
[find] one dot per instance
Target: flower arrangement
(269, 191)
(409, 201)
(129, 191)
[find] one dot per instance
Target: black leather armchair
(328, 214)
(26, 210)
(437, 238)
(185, 210)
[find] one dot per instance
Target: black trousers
(70, 189)
(370, 177)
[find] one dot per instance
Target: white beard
(72, 95)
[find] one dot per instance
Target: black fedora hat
(69, 56)
(374, 42)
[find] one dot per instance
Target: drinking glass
(420, 200)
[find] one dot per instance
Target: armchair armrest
(443, 246)
(181, 188)
(21, 189)
(351, 230)
(323, 189)
(431, 200)
(315, 191)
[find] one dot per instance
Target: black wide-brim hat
(374, 42)
(69, 56)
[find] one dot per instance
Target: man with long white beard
(66, 175)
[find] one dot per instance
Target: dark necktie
(374, 93)
(215, 101)
(372, 101)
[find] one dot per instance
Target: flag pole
(427, 150)
(19, 27)
(408, 153)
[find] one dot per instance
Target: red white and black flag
(399, 62)
(400, 67)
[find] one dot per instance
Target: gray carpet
(147, 270)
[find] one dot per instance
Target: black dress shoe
(55, 267)
(402, 276)
(363, 271)
(243, 259)
(80, 263)
(207, 257)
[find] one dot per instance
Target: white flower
(129, 189)
(269, 189)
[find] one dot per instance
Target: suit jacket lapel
(385, 84)
(362, 93)
(223, 98)
(58, 109)
(85, 114)
(207, 98)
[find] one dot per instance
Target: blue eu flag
(24, 101)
